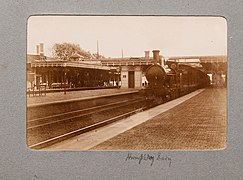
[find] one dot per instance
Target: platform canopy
(60, 63)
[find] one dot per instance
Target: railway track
(45, 131)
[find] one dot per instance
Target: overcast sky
(173, 36)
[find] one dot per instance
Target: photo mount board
(17, 161)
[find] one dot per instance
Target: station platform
(197, 121)
(71, 95)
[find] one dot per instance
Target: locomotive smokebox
(156, 56)
(155, 75)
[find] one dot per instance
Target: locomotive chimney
(146, 54)
(156, 56)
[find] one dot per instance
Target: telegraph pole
(98, 50)
(65, 81)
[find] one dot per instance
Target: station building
(73, 73)
(78, 72)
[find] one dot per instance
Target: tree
(98, 56)
(65, 50)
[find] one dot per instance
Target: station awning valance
(69, 64)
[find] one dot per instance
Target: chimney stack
(156, 56)
(38, 49)
(41, 46)
(146, 54)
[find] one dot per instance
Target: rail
(45, 131)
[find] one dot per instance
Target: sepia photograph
(126, 83)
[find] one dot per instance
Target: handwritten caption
(149, 158)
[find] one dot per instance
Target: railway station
(133, 103)
(50, 74)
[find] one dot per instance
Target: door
(131, 79)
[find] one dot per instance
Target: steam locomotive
(173, 80)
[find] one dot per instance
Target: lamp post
(118, 77)
(65, 81)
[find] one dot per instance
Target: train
(173, 80)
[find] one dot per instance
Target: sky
(172, 35)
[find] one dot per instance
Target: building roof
(33, 57)
(36, 61)
(76, 56)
